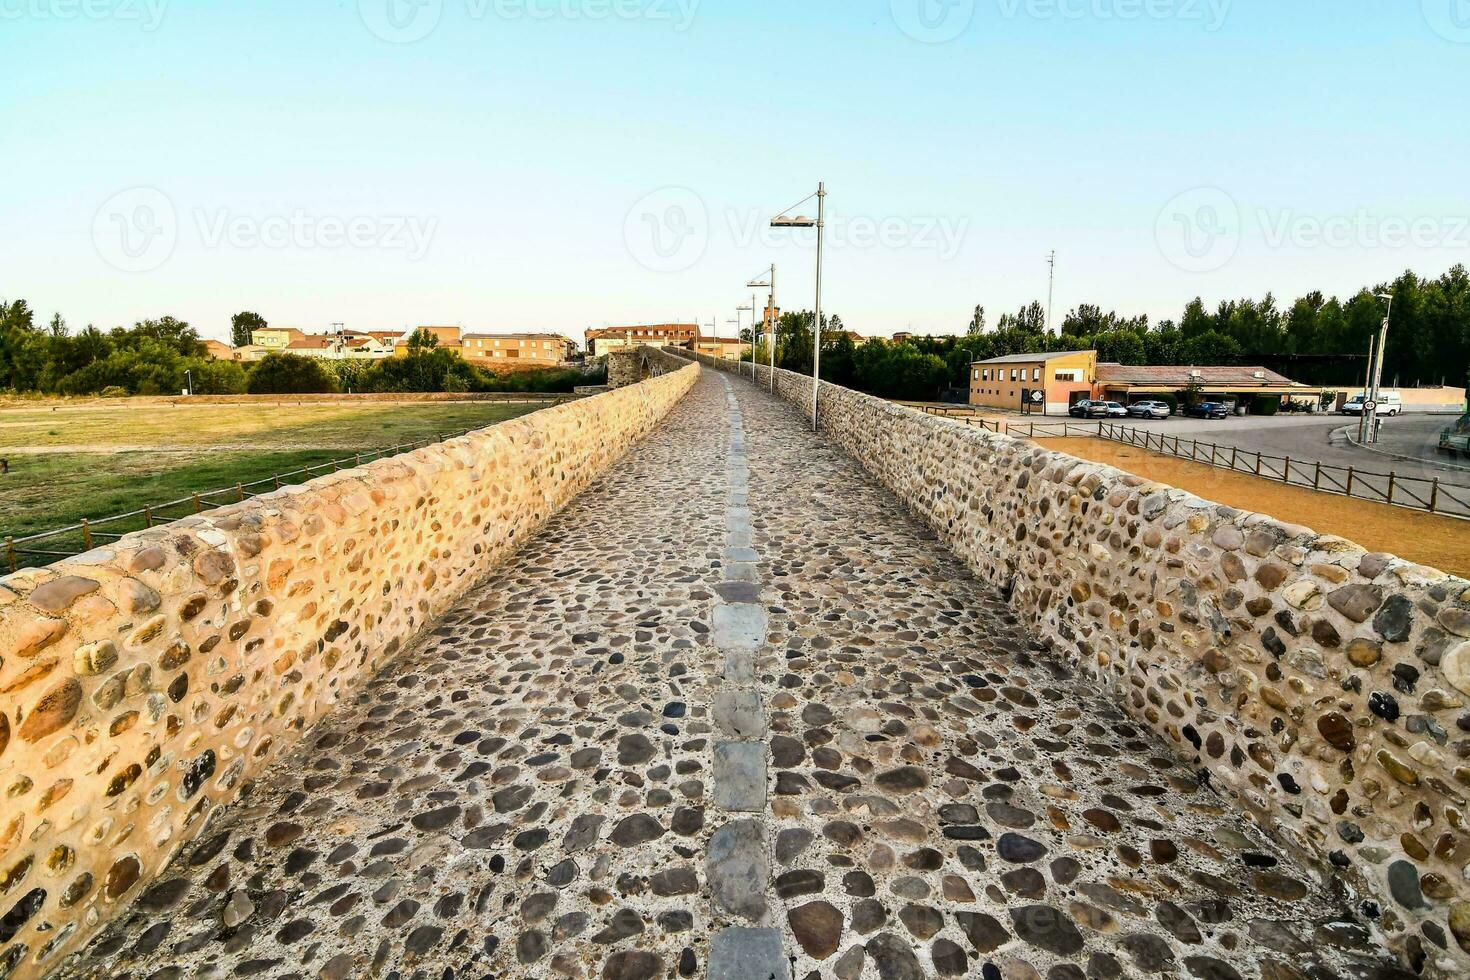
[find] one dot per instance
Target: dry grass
(1440, 542)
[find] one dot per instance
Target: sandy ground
(1441, 542)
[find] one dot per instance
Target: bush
(1265, 404)
(1171, 400)
(114, 391)
(289, 374)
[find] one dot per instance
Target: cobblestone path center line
(734, 630)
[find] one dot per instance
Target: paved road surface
(545, 787)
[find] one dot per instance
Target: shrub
(1171, 400)
(114, 391)
(1265, 404)
(289, 374)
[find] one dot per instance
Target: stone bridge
(664, 684)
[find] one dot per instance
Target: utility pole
(1051, 286)
(771, 326)
(1367, 388)
(1372, 413)
(817, 326)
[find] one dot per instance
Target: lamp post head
(757, 285)
(798, 222)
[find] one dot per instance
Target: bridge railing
(1429, 494)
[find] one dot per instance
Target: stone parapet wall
(1325, 689)
(145, 685)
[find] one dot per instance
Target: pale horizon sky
(564, 164)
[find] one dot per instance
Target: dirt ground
(1440, 542)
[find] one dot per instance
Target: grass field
(86, 461)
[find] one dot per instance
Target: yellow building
(276, 338)
(448, 337)
(517, 351)
(1063, 377)
(600, 340)
(728, 348)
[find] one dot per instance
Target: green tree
(977, 322)
(242, 325)
(422, 339)
(289, 374)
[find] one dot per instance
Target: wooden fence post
(1434, 495)
(1258, 464)
(1286, 471)
(1317, 477)
(148, 515)
(1350, 482)
(1392, 476)
(86, 535)
(10, 553)
(239, 492)
(197, 508)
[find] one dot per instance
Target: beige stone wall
(1323, 688)
(144, 685)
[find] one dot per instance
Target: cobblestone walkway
(735, 714)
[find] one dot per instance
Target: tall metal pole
(1378, 372)
(817, 326)
(753, 335)
(1051, 286)
(771, 327)
(1367, 387)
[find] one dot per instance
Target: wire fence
(1428, 494)
(75, 539)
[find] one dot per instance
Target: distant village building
(600, 340)
(448, 339)
(517, 351)
(1064, 378)
(218, 350)
(728, 348)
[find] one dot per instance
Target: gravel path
(545, 786)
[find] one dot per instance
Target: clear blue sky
(520, 136)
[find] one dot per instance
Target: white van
(1389, 403)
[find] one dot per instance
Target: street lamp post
(1371, 413)
(739, 310)
(770, 319)
(820, 223)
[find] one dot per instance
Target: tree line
(1316, 340)
(165, 356)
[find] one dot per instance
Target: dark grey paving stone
(737, 869)
(740, 776)
(741, 953)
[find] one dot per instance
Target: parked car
(1208, 410)
(1150, 410)
(1088, 409)
(1389, 403)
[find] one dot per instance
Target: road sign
(1038, 396)
(1369, 406)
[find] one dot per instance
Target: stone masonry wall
(1323, 688)
(144, 685)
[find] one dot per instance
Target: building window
(1036, 374)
